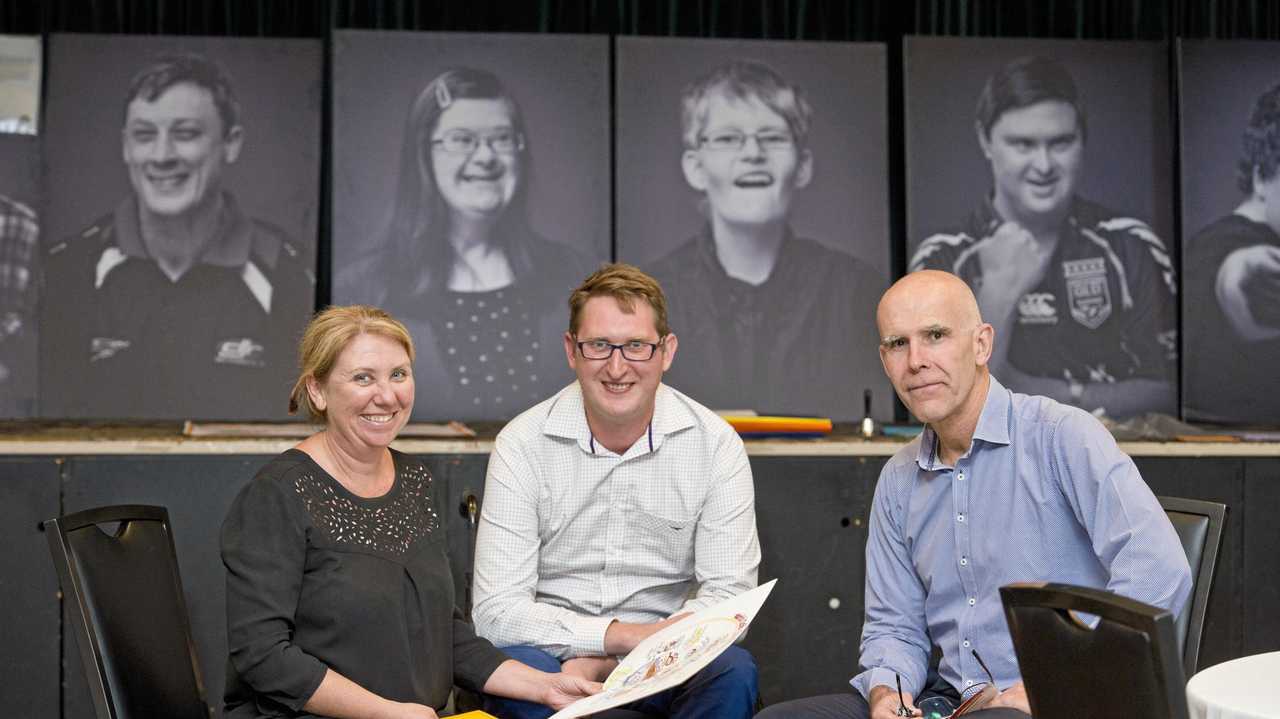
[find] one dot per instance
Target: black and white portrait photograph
(1040, 172)
(19, 84)
(1230, 137)
(182, 178)
(752, 182)
(470, 196)
(19, 274)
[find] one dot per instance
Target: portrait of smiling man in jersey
(177, 303)
(1082, 296)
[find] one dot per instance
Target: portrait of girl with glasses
(480, 289)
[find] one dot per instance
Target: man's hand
(1013, 262)
(564, 689)
(595, 669)
(884, 703)
(1258, 265)
(1015, 697)
(622, 637)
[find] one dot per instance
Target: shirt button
(968, 682)
(965, 643)
(964, 561)
(960, 476)
(972, 601)
(959, 517)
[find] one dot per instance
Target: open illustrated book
(673, 655)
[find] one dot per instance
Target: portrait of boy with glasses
(773, 320)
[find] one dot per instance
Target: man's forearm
(1124, 398)
(998, 309)
(519, 621)
(1129, 397)
(621, 637)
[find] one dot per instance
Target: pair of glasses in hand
(976, 697)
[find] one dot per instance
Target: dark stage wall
(811, 513)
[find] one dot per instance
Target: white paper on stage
(675, 654)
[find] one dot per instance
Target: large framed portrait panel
(530, 192)
(798, 336)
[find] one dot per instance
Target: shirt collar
(993, 427)
(229, 246)
(568, 418)
(993, 423)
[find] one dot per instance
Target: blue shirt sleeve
(895, 638)
(1130, 532)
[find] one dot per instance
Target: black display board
(475, 249)
(1230, 131)
(201, 157)
(774, 252)
(1092, 318)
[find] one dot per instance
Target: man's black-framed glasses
(978, 695)
(903, 711)
(634, 350)
(974, 697)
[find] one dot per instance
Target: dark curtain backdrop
(876, 20)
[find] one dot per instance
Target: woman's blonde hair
(328, 333)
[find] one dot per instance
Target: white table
(1244, 688)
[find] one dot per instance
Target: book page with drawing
(673, 655)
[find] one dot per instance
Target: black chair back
(1199, 526)
(128, 612)
(1127, 666)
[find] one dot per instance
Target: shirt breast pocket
(660, 545)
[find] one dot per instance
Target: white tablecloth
(1244, 688)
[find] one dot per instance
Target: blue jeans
(724, 689)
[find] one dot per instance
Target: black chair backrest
(1199, 526)
(128, 612)
(1127, 666)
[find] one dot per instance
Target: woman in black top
(339, 594)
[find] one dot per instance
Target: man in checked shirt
(1000, 487)
(613, 507)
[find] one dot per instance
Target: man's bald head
(932, 288)
(934, 347)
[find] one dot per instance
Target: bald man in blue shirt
(1000, 487)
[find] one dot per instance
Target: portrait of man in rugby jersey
(1083, 295)
(1231, 308)
(178, 300)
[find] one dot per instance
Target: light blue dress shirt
(1042, 494)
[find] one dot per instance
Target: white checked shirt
(573, 536)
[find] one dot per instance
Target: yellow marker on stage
(780, 425)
